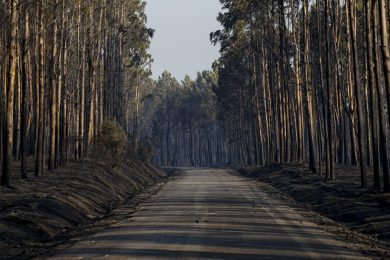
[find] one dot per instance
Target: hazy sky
(181, 43)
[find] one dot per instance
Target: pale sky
(181, 42)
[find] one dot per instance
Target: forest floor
(341, 200)
(44, 212)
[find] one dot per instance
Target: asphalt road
(213, 214)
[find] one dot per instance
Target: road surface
(212, 214)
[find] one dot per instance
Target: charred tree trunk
(9, 113)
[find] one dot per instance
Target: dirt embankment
(341, 200)
(44, 208)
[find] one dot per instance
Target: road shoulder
(359, 241)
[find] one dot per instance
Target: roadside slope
(43, 208)
(341, 200)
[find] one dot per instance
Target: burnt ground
(44, 212)
(341, 200)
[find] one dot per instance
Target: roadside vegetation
(306, 81)
(69, 72)
(303, 94)
(69, 76)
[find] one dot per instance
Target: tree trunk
(358, 95)
(308, 92)
(384, 142)
(41, 97)
(53, 94)
(385, 50)
(330, 123)
(91, 74)
(25, 93)
(373, 96)
(9, 115)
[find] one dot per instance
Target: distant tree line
(65, 67)
(182, 125)
(306, 80)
